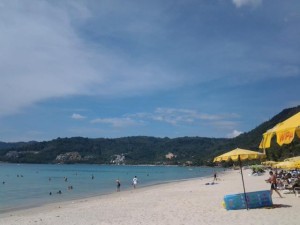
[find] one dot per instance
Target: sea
(31, 185)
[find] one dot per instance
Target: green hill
(145, 150)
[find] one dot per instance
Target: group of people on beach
(289, 180)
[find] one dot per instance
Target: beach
(177, 203)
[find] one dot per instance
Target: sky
(113, 68)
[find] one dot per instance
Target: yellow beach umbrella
(288, 165)
(269, 163)
(239, 154)
(284, 131)
(293, 159)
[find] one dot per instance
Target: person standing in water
(134, 182)
(118, 185)
(215, 176)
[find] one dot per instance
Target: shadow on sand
(278, 206)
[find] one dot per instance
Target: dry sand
(186, 202)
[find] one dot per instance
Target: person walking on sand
(273, 182)
(118, 185)
(134, 182)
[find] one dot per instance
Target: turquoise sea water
(29, 185)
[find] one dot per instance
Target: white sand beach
(185, 202)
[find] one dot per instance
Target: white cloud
(53, 49)
(171, 116)
(234, 133)
(175, 116)
(77, 116)
(241, 3)
(41, 55)
(116, 122)
(45, 54)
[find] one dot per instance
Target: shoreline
(103, 184)
(60, 204)
(92, 196)
(182, 202)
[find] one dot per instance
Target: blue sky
(209, 68)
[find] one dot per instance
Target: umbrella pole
(243, 184)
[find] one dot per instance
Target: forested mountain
(135, 150)
(6, 145)
(145, 150)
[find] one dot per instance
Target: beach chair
(287, 189)
(297, 191)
